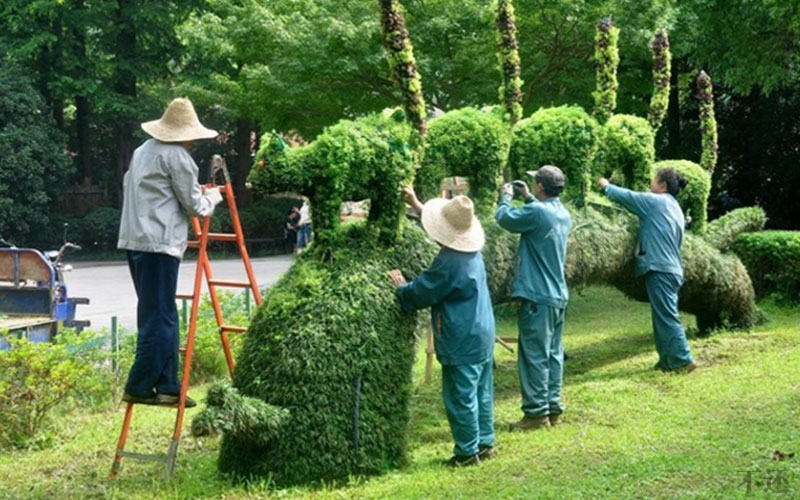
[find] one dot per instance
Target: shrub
(37, 378)
(694, 198)
(723, 232)
(773, 260)
(470, 143)
(565, 137)
(99, 229)
(626, 152)
(332, 347)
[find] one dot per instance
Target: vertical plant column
(404, 66)
(662, 66)
(606, 56)
(508, 54)
(708, 124)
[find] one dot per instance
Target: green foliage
(332, 346)
(371, 157)
(508, 55)
(33, 166)
(627, 152)
(470, 143)
(208, 361)
(722, 232)
(230, 412)
(566, 137)
(773, 260)
(38, 378)
(693, 199)
(606, 57)
(99, 229)
(662, 67)
(708, 124)
(400, 53)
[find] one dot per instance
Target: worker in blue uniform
(541, 290)
(456, 290)
(658, 259)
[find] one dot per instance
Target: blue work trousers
(468, 395)
(540, 359)
(671, 345)
(155, 368)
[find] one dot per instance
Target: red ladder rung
(232, 284)
(234, 329)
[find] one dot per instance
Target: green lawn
(629, 431)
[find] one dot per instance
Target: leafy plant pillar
(606, 58)
(662, 66)
(708, 124)
(508, 54)
(626, 152)
(401, 58)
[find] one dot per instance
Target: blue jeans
(671, 345)
(155, 368)
(468, 395)
(303, 236)
(540, 358)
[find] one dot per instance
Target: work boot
(529, 422)
(554, 418)
(685, 369)
(173, 400)
(139, 400)
(462, 461)
(485, 452)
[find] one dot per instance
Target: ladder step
(193, 244)
(232, 284)
(235, 329)
(142, 456)
(184, 296)
(222, 237)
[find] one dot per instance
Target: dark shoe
(139, 400)
(485, 452)
(462, 461)
(173, 399)
(530, 422)
(660, 366)
(554, 418)
(686, 369)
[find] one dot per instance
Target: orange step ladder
(203, 235)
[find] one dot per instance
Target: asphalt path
(110, 290)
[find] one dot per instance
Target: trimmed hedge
(566, 137)
(773, 260)
(723, 232)
(694, 198)
(331, 346)
(626, 152)
(470, 143)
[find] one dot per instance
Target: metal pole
(114, 345)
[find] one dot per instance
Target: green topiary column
(508, 54)
(626, 152)
(401, 58)
(662, 64)
(708, 124)
(606, 57)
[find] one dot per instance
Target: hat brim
(163, 133)
(441, 231)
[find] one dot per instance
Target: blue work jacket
(455, 289)
(544, 227)
(661, 224)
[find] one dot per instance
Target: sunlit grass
(629, 431)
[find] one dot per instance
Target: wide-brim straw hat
(453, 223)
(179, 123)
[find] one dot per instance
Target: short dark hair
(674, 181)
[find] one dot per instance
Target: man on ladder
(161, 192)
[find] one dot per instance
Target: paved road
(109, 287)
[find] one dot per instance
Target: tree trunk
(125, 87)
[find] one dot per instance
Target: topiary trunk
(401, 58)
(708, 124)
(508, 54)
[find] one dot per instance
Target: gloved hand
(213, 195)
(521, 189)
(507, 189)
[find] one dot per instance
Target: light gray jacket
(160, 194)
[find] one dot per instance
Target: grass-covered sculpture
(322, 384)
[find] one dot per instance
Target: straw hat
(453, 223)
(179, 123)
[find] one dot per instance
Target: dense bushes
(565, 137)
(694, 198)
(722, 232)
(332, 347)
(627, 152)
(773, 260)
(470, 143)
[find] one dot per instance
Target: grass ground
(629, 432)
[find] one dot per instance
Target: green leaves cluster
(662, 68)
(693, 199)
(773, 260)
(606, 57)
(508, 55)
(626, 152)
(723, 231)
(708, 124)
(566, 137)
